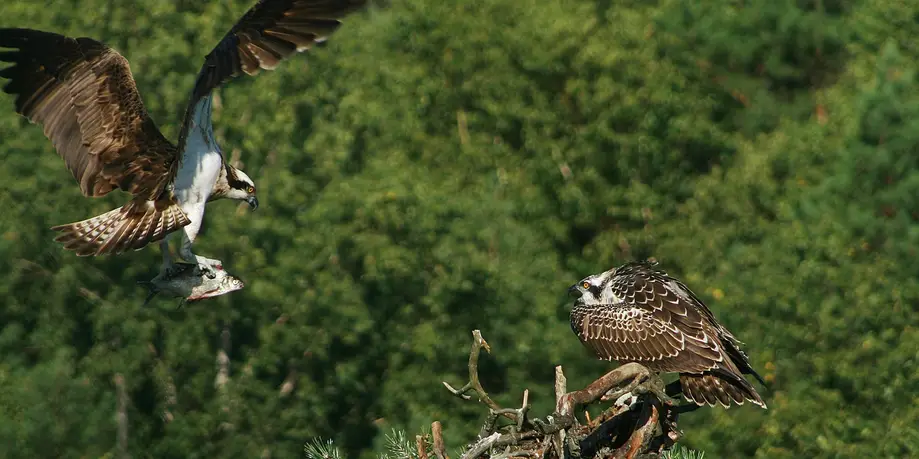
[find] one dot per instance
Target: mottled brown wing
(268, 33)
(670, 300)
(83, 94)
(644, 289)
(629, 334)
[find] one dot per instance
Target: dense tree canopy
(440, 166)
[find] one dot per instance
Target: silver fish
(188, 282)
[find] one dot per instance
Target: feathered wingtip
(34, 66)
(711, 389)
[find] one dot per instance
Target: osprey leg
(207, 265)
(641, 384)
(168, 264)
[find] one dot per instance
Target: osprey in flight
(637, 313)
(84, 96)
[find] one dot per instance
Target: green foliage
(441, 166)
(397, 447)
(789, 48)
(679, 452)
(321, 450)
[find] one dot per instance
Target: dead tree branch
(437, 433)
(422, 447)
(122, 416)
(478, 343)
(517, 415)
(644, 427)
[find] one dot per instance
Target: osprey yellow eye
(250, 189)
(586, 285)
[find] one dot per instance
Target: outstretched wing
(83, 94)
(268, 33)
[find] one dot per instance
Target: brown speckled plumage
(643, 315)
(83, 95)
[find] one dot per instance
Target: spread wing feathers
(710, 388)
(130, 227)
(268, 33)
(83, 94)
(642, 285)
(627, 334)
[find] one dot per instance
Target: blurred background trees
(446, 165)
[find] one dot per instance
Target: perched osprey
(637, 313)
(83, 94)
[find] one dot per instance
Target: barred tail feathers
(130, 227)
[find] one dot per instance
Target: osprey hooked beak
(253, 202)
(573, 290)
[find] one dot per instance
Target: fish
(191, 284)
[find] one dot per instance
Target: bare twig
(642, 427)
(515, 454)
(479, 343)
(524, 408)
(482, 446)
(641, 436)
(122, 416)
(422, 447)
(597, 389)
(498, 440)
(437, 434)
(607, 415)
(561, 384)
(557, 441)
(669, 434)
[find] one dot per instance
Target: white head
(595, 289)
(237, 186)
